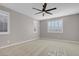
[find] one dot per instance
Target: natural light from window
(55, 26)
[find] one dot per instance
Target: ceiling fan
(44, 10)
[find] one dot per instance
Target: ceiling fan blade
(48, 13)
(38, 13)
(51, 9)
(44, 6)
(37, 9)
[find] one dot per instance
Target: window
(55, 26)
(4, 22)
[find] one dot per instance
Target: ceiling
(63, 9)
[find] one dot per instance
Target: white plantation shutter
(55, 26)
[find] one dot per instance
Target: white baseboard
(61, 40)
(17, 43)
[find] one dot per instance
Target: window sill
(55, 32)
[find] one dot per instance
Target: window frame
(55, 31)
(8, 22)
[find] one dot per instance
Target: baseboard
(65, 41)
(17, 43)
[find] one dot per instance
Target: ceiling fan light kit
(43, 10)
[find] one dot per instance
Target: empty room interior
(39, 29)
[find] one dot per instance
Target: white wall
(70, 29)
(21, 28)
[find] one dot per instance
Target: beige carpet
(42, 48)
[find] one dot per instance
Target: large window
(4, 22)
(55, 26)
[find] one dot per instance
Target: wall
(70, 29)
(21, 28)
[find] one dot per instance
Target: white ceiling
(63, 9)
